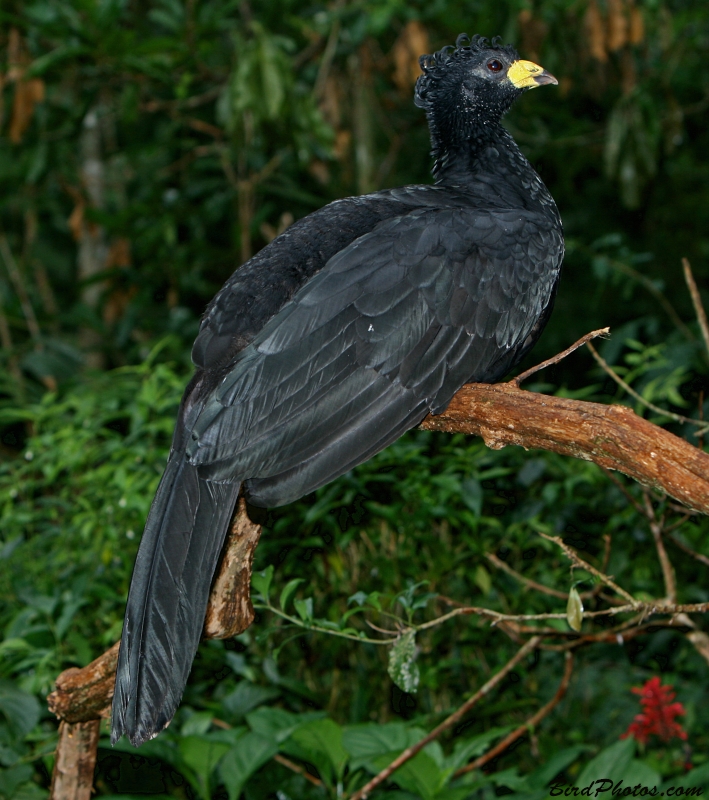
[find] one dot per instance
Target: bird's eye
(494, 65)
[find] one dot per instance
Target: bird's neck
(488, 148)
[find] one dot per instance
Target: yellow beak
(528, 75)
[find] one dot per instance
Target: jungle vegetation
(149, 148)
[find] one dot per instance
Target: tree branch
(559, 356)
(696, 302)
(73, 776)
(581, 564)
(603, 364)
(526, 726)
(611, 436)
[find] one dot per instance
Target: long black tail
(169, 591)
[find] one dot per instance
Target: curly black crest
(435, 65)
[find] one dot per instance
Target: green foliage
(207, 128)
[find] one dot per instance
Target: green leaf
(370, 739)
(611, 763)
(11, 779)
(472, 494)
(402, 667)
(22, 710)
(261, 581)
(420, 775)
(358, 597)
(276, 723)
(544, 775)
(245, 698)
(695, 777)
(482, 579)
(197, 724)
(304, 609)
(322, 739)
(471, 748)
(288, 590)
(45, 62)
(361, 598)
(247, 756)
(202, 754)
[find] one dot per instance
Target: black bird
(339, 336)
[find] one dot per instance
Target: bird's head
(466, 87)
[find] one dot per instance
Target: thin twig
(677, 524)
(697, 302)
(629, 497)
(618, 635)
(689, 512)
(702, 559)
(559, 356)
(6, 342)
(656, 527)
(500, 564)
(700, 414)
(219, 723)
(299, 623)
(526, 726)
(606, 551)
(190, 102)
(447, 723)
(579, 562)
(16, 278)
(286, 762)
(385, 631)
(497, 618)
(327, 57)
(648, 284)
(629, 389)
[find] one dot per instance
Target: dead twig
(559, 356)
(447, 723)
(16, 278)
(649, 285)
(698, 639)
(606, 551)
(656, 527)
(696, 302)
(579, 562)
(530, 584)
(603, 364)
(702, 559)
(526, 726)
(286, 762)
(629, 497)
(151, 106)
(500, 564)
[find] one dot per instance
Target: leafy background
(146, 150)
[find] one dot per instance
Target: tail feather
(167, 602)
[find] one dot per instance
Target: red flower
(658, 714)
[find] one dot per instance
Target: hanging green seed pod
(574, 610)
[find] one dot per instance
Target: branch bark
(75, 760)
(611, 436)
